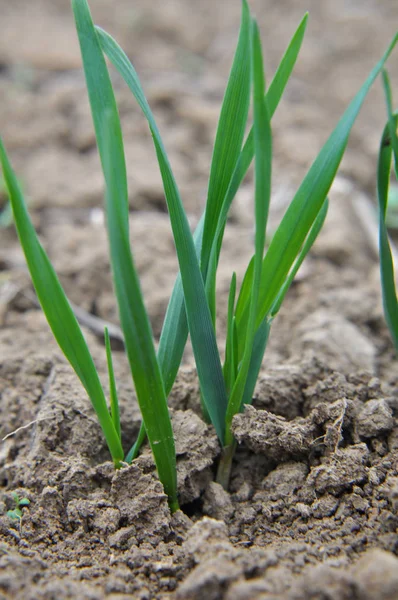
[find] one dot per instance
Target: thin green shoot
(229, 137)
(113, 399)
(388, 147)
(229, 364)
(133, 316)
(263, 158)
(16, 513)
(57, 309)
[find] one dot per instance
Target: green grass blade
(99, 87)
(133, 317)
(234, 349)
(263, 165)
(298, 219)
(134, 450)
(310, 239)
(230, 133)
(199, 318)
(259, 346)
(138, 334)
(246, 288)
(229, 363)
(114, 401)
(273, 97)
(391, 120)
(388, 144)
(262, 333)
(211, 286)
(233, 356)
(386, 262)
(58, 312)
(174, 332)
(198, 314)
(285, 68)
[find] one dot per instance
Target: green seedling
(17, 513)
(388, 148)
(225, 387)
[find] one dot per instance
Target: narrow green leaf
(391, 122)
(229, 363)
(309, 241)
(198, 314)
(388, 144)
(259, 346)
(99, 88)
(210, 287)
(199, 318)
(245, 289)
(134, 450)
(138, 335)
(235, 347)
(229, 136)
(273, 98)
(386, 261)
(263, 166)
(133, 317)
(58, 312)
(114, 402)
(282, 75)
(300, 215)
(174, 332)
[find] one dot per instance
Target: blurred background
(182, 50)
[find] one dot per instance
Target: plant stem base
(225, 465)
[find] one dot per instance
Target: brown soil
(312, 507)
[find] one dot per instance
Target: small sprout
(16, 514)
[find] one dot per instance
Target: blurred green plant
(16, 513)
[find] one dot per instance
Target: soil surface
(311, 512)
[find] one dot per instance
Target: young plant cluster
(225, 388)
